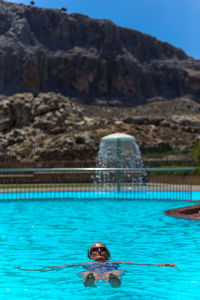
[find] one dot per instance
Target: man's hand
(168, 265)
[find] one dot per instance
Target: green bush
(196, 153)
(197, 171)
(63, 9)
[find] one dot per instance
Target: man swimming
(101, 268)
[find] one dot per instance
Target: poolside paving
(189, 212)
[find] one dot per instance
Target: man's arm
(54, 268)
(159, 265)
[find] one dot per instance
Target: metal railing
(153, 157)
(96, 183)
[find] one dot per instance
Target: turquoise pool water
(34, 234)
(137, 194)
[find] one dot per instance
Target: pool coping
(189, 212)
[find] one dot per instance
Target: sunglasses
(94, 249)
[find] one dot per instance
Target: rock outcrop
(48, 50)
(51, 126)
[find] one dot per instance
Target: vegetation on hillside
(196, 153)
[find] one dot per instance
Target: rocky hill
(54, 128)
(65, 80)
(48, 50)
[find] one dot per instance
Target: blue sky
(174, 21)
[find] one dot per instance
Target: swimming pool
(34, 234)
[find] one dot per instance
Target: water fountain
(120, 150)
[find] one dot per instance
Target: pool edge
(189, 212)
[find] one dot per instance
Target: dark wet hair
(107, 251)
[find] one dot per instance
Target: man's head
(99, 252)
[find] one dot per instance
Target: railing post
(118, 165)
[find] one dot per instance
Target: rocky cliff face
(48, 50)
